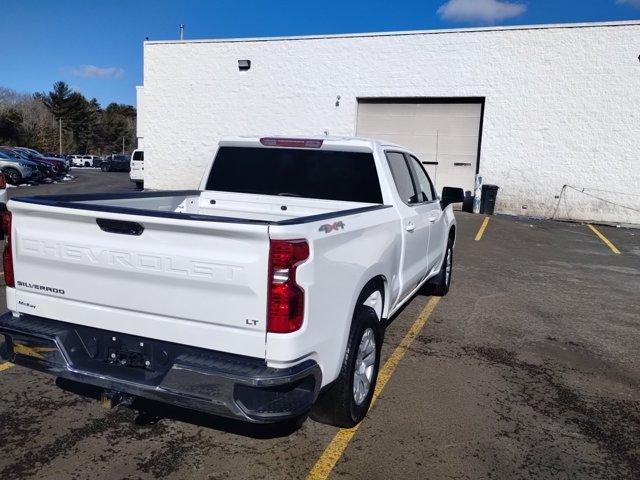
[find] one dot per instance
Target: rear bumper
(203, 380)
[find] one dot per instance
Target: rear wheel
(347, 400)
(13, 176)
(104, 168)
(139, 185)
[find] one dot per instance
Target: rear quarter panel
(342, 261)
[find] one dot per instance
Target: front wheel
(13, 176)
(104, 168)
(348, 399)
(439, 285)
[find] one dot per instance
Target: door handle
(433, 218)
(410, 227)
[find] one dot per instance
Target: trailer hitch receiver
(111, 399)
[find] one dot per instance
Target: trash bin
(467, 204)
(488, 199)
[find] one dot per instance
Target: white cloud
(91, 71)
(633, 3)
(483, 11)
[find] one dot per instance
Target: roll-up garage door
(445, 136)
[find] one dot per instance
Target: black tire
(439, 285)
(104, 168)
(13, 176)
(337, 405)
(87, 164)
(140, 185)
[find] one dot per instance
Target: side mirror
(451, 195)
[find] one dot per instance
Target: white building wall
(140, 120)
(562, 104)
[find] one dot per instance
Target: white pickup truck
(259, 296)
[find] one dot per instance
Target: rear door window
(401, 177)
(138, 155)
(422, 180)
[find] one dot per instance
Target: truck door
(415, 225)
(430, 206)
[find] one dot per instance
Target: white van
(136, 174)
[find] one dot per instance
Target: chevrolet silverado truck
(263, 295)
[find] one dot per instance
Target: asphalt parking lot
(529, 368)
(87, 180)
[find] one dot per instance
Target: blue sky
(96, 45)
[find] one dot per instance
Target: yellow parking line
(323, 467)
(35, 352)
(604, 239)
(5, 366)
(483, 227)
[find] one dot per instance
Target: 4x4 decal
(330, 227)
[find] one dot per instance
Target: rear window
(138, 155)
(323, 174)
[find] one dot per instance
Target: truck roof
(328, 142)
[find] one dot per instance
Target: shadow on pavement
(150, 412)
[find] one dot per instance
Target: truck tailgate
(200, 283)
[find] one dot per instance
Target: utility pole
(182, 31)
(123, 145)
(60, 133)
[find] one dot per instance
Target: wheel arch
(376, 283)
(452, 233)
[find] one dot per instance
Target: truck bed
(206, 205)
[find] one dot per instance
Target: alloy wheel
(364, 367)
(447, 270)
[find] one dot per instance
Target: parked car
(116, 163)
(60, 163)
(91, 161)
(17, 170)
(59, 167)
(65, 158)
(48, 169)
(77, 161)
(260, 296)
(137, 168)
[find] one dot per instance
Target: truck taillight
(7, 255)
(286, 298)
